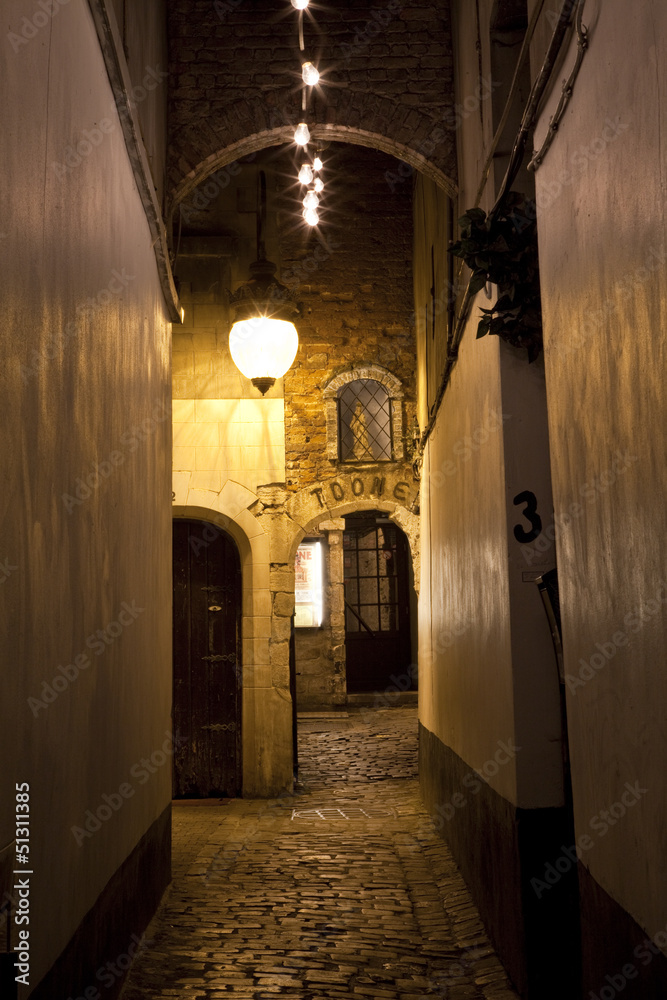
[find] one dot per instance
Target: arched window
(364, 422)
(364, 416)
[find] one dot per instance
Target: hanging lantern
(263, 348)
(263, 340)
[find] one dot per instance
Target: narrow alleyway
(341, 890)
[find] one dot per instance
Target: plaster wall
(491, 750)
(465, 654)
(601, 205)
(487, 639)
(85, 515)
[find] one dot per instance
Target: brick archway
(236, 149)
(235, 86)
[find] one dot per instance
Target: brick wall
(355, 291)
(234, 74)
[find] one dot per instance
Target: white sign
(308, 585)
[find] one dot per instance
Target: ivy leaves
(502, 249)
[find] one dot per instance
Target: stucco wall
(601, 203)
(491, 752)
(484, 640)
(465, 690)
(85, 515)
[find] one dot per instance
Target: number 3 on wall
(530, 514)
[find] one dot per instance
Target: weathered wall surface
(85, 518)
(601, 205)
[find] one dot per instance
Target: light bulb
(311, 216)
(319, 184)
(317, 163)
(311, 200)
(306, 173)
(300, 4)
(310, 74)
(302, 135)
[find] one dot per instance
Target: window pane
(368, 591)
(364, 422)
(369, 613)
(368, 563)
(368, 540)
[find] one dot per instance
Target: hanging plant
(502, 249)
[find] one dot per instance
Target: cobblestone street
(340, 890)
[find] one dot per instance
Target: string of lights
(310, 166)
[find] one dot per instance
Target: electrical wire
(514, 88)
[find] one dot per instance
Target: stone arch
(330, 522)
(228, 144)
(404, 518)
(394, 389)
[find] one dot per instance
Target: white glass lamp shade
(300, 4)
(263, 349)
(319, 185)
(317, 163)
(311, 216)
(310, 74)
(311, 200)
(306, 173)
(302, 134)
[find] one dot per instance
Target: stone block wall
(355, 291)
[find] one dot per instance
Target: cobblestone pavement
(340, 890)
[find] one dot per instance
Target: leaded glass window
(364, 422)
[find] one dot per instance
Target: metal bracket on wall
(566, 94)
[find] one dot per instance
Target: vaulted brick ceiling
(235, 81)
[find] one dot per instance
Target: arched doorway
(376, 563)
(207, 661)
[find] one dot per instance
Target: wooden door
(377, 603)
(207, 662)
